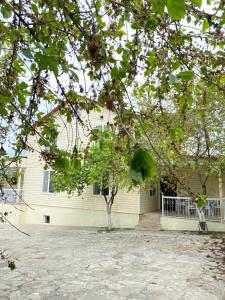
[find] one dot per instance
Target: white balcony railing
(183, 207)
(11, 196)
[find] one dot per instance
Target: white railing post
(221, 197)
(172, 206)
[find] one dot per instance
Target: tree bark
(204, 189)
(201, 214)
(109, 214)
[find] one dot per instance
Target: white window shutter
(45, 181)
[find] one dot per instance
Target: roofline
(53, 111)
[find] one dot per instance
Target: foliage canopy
(151, 62)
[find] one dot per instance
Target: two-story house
(39, 204)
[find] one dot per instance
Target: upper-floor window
(77, 112)
(47, 182)
(98, 190)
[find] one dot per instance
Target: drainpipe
(221, 197)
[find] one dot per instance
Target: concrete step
(149, 221)
(140, 227)
(148, 225)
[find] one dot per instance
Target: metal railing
(183, 207)
(11, 196)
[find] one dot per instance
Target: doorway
(168, 187)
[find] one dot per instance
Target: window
(46, 219)
(47, 182)
(77, 112)
(97, 190)
(152, 192)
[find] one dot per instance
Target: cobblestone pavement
(68, 263)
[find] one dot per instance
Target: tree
(185, 130)
(94, 53)
(105, 166)
(113, 45)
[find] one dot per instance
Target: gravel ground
(70, 263)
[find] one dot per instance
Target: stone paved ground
(68, 263)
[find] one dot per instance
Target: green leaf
(3, 112)
(173, 79)
(201, 200)
(6, 12)
(120, 24)
(222, 78)
(205, 25)
(27, 53)
(197, 2)
(136, 176)
(98, 5)
(176, 9)
(23, 85)
(186, 75)
(158, 6)
(142, 166)
(176, 133)
(152, 23)
(53, 66)
(47, 61)
(136, 25)
(75, 164)
(61, 163)
(176, 65)
(34, 8)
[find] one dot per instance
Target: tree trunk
(204, 190)
(200, 210)
(109, 211)
(201, 214)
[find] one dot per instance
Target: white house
(40, 205)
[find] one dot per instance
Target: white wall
(88, 206)
(79, 217)
(16, 214)
(170, 223)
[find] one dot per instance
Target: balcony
(11, 196)
(183, 207)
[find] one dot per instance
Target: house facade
(41, 205)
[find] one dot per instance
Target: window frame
(152, 192)
(48, 182)
(100, 194)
